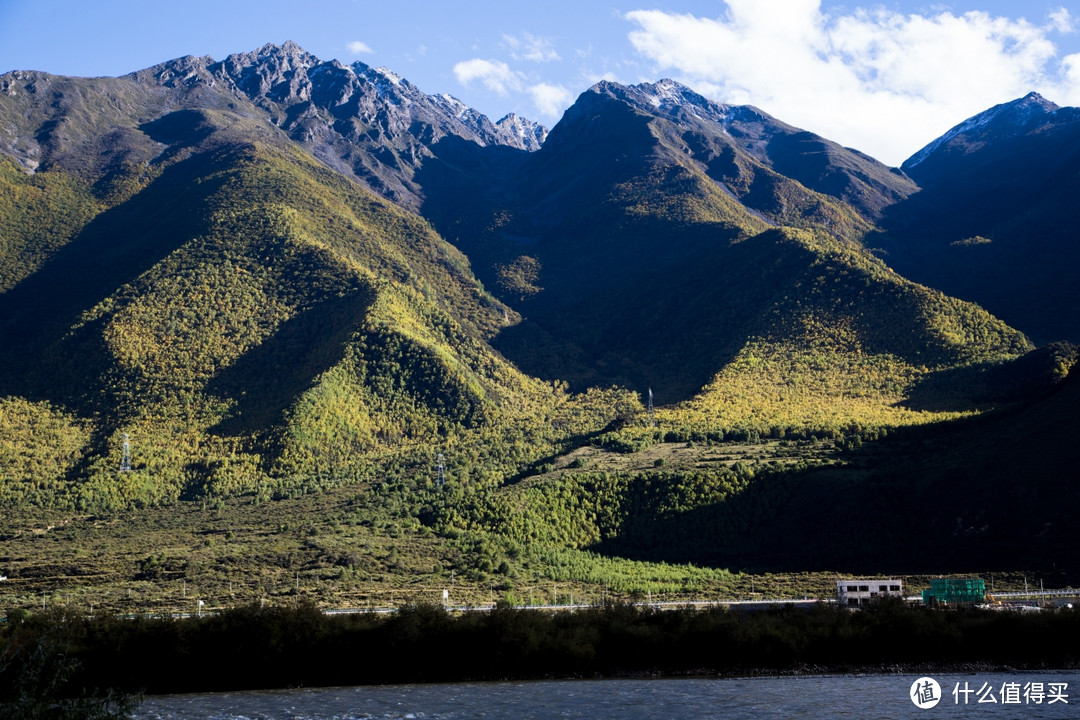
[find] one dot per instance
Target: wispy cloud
(531, 48)
(883, 82)
(1062, 21)
(357, 47)
(494, 74)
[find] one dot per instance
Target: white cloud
(883, 82)
(1071, 69)
(551, 100)
(356, 47)
(530, 47)
(494, 74)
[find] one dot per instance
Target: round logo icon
(925, 693)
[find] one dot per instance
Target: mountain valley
(274, 326)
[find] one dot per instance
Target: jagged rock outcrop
(368, 122)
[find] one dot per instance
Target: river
(1021, 695)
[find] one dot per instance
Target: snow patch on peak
(389, 75)
(451, 103)
(673, 98)
(1034, 98)
(662, 94)
(388, 84)
(667, 91)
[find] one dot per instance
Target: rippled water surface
(864, 697)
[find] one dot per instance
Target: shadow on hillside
(958, 389)
(41, 358)
(784, 523)
(995, 491)
(627, 353)
(267, 379)
(1028, 377)
(895, 520)
(466, 186)
(671, 329)
(462, 171)
(628, 302)
(1022, 270)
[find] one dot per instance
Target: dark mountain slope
(711, 131)
(995, 221)
(627, 154)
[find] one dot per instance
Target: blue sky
(885, 78)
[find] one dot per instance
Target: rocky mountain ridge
(365, 122)
(708, 127)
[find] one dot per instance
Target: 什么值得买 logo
(925, 693)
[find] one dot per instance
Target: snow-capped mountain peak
(1006, 119)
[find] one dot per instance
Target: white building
(863, 591)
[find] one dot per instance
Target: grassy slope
(847, 343)
(40, 213)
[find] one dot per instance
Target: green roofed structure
(955, 591)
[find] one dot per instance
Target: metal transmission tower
(442, 472)
(125, 459)
(652, 417)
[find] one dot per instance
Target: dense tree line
(253, 647)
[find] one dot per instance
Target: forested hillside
(651, 243)
(254, 324)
